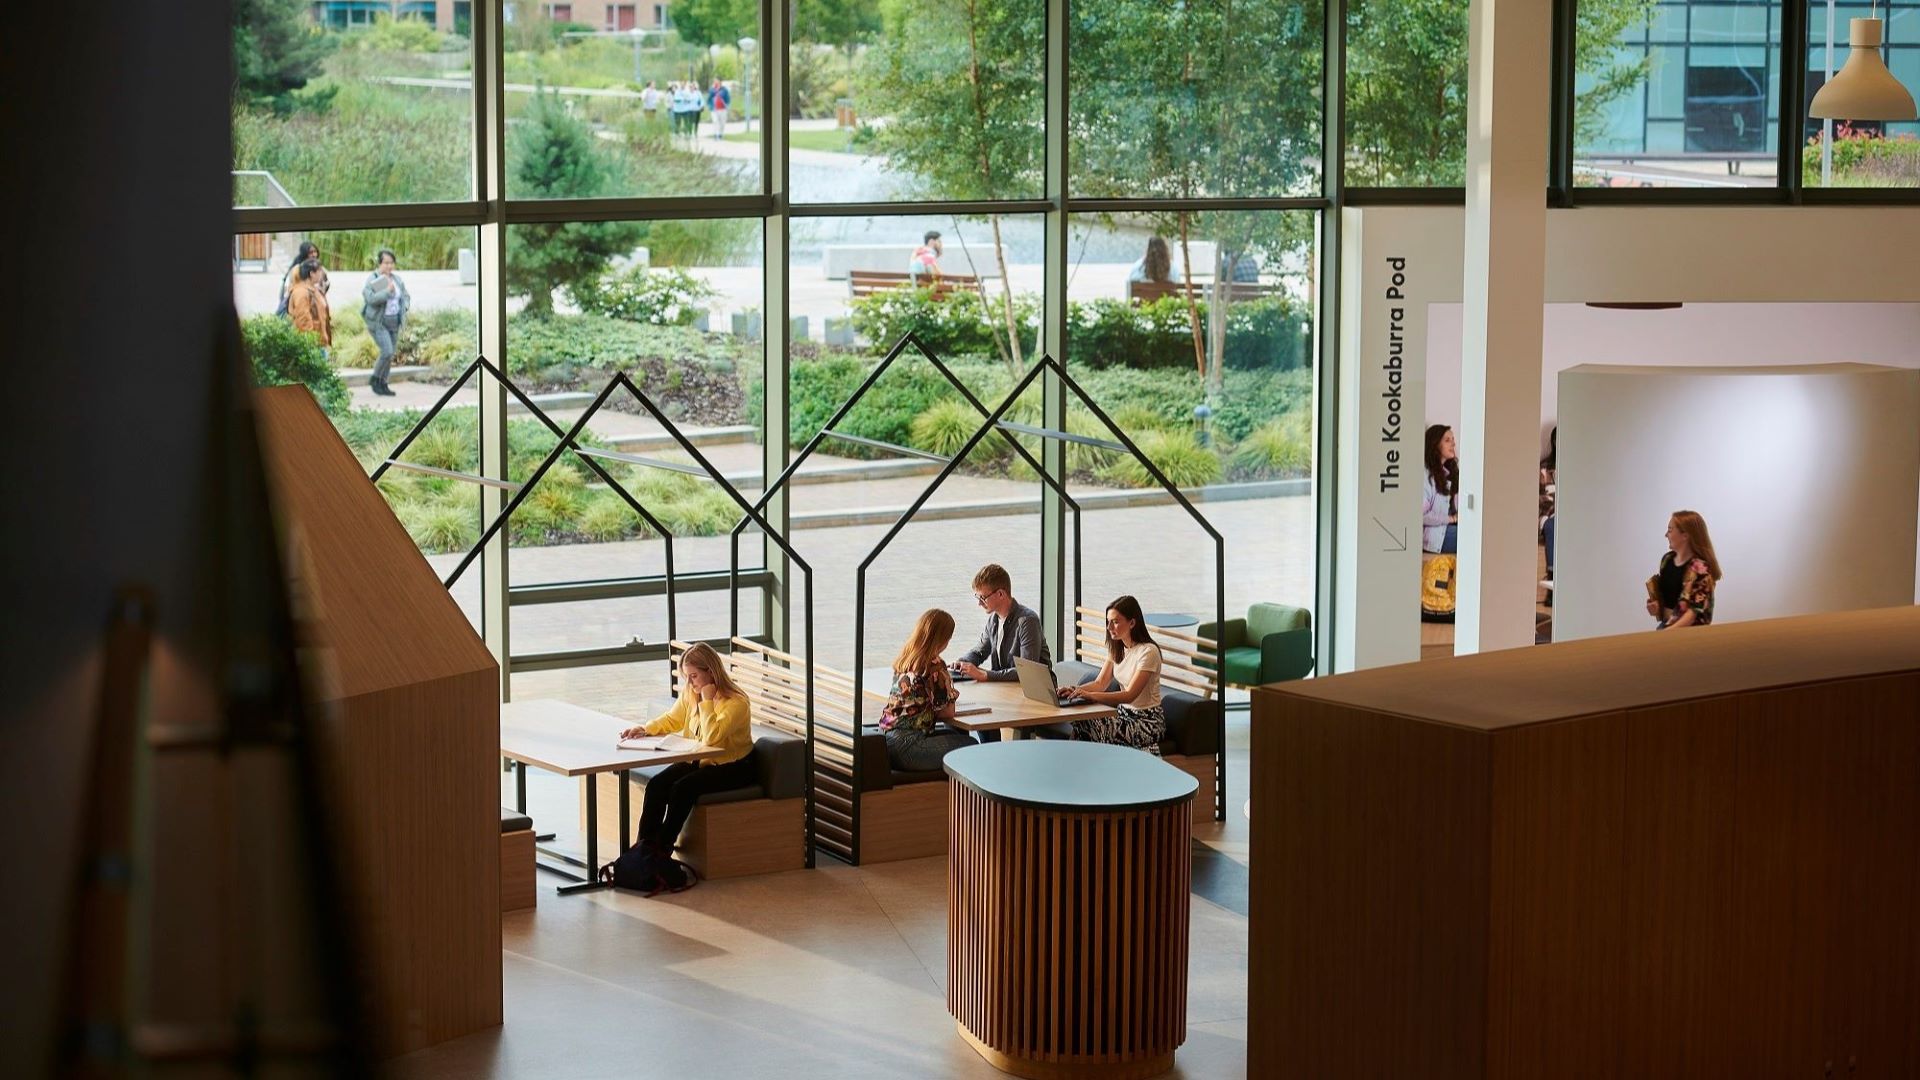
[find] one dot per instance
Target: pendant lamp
(1863, 89)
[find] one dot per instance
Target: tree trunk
(1193, 307)
(986, 177)
(1014, 360)
(1217, 318)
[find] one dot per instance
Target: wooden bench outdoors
(862, 283)
(759, 829)
(1189, 693)
(1146, 292)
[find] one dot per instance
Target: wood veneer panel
(1556, 936)
(1614, 674)
(905, 822)
(1368, 903)
(1680, 910)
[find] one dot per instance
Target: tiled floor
(833, 972)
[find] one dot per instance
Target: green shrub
(946, 426)
(438, 528)
(605, 517)
(1185, 462)
(1283, 445)
(963, 323)
(667, 297)
(1266, 335)
(445, 445)
(1118, 333)
(282, 355)
(1861, 160)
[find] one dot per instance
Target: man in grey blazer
(1012, 630)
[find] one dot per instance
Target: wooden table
(1011, 710)
(579, 742)
(1069, 866)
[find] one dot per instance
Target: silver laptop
(1038, 683)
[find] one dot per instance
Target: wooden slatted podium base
(1067, 932)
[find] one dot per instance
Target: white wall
(1808, 477)
(1698, 335)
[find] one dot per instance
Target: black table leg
(626, 815)
(592, 880)
(520, 786)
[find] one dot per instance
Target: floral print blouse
(1696, 590)
(915, 698)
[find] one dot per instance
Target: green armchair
(1274, 643)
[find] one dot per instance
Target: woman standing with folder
(711, 710)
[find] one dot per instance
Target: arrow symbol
(1400, 541)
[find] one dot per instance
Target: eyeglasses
(982, 598)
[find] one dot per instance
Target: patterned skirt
(1141, 729)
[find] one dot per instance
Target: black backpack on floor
(647, 869)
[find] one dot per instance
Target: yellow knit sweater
(723, 722)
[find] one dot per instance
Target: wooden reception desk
(1692, 853)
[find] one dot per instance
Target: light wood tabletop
(575, 741)
(1008, 705)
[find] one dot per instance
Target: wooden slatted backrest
(1187, 662)
(869, 282)
(1145, 292)
(775, 683)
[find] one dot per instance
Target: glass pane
(350, 101)
(1197, 99)
(611, 104)
(1863, 153)
(917, 99)
(677, 306)
(338, 333)
(1700, 112)
(1194, 334)
(1406, 93)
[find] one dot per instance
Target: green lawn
(835, 141)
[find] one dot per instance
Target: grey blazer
(373, 297)
(1023, 638)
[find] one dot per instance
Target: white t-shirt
(1140, 656)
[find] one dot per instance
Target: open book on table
(676, 744)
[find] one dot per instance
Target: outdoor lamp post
(747, 46)
(1201, 414)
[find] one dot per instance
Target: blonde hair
(701, 655)
(930, 635)
(1695, 528)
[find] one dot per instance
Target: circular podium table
(1069, 867)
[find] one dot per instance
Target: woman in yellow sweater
(711, 710)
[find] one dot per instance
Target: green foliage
(946, 426)
(706, 22)
(1205, 97)
(1281, 446)
(962, 323)
(283, 355)
(372, 144)
(407, 35)
(1183, 460)
(1863, 160)
(557, 157)
(1108, 333)
(1407, 92)
(276, 51)
(1598, 62)
(841, 23)
(664, 297)
(438, 526)
(606, 517)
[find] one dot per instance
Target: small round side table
(1069, 870)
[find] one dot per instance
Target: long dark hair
(1129, 608)
(1158, 265)
(1445, 474)
(1552, 460)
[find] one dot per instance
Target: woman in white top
(1134, 662)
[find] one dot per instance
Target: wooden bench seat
(1146, 292)
(863, 283)
(517, 890)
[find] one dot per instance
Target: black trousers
(673, 791)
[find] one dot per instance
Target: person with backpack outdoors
(384, 307)
(710, 710)
(719, 99)
(308, 251)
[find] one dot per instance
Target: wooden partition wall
(1690, 853)
(409, 739)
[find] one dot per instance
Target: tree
(1407, 84)
(962, 85)
(277, 49)
(1198, 99)
(557, 157)
(844, 24)
(709, 22)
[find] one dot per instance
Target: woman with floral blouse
(921, 696)
(1681, 594)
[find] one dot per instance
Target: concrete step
(359, 376)
(654, 441)
(749, 481)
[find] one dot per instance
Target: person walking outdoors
(308, 250)
(650, 103)
(307, 304)
(719, 99)
(384, 307)
(1680, 593)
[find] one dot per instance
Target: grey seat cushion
(1193, 724)
(514, 821)
(875, 765)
